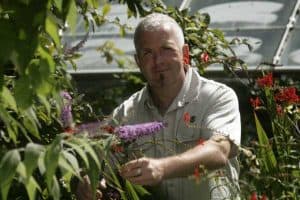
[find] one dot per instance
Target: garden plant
(49, 135)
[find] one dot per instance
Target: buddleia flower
(129, 133)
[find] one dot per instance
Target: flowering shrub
(117, 139)
(274, 160)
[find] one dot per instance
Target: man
(175, 90)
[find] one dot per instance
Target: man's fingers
(133, 165)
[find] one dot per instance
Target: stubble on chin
(161, 79)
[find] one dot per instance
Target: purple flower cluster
(129, 133)
(66, 113)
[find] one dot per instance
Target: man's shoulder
(134, 100)
(209, 86)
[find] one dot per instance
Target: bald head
(155, 22)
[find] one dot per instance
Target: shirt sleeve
(222, 115)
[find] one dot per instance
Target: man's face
(160, 57)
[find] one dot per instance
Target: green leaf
(75, 145)
(131, 192)
(55, 189)
(41, 163)
(8, 38)
(8, 166)
(58, 4)
(23, 93)
(31, 122)
(92, 153)
(31, 187)
(21, 169)
(45, 102)
(267, 154)
(106, 9)
(72, 16)
(93, 173)
(87, 147)
(52, 30)
(32, 154)
(8, 98)
(51, 161)
(140, 190)
(69, 162)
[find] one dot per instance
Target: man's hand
(84, 189)
(143, 171)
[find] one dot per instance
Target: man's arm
(212, 154)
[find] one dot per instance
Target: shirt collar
(184, 96)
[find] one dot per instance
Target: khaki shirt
(214, 110)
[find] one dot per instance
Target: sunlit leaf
(55, 189)
(58, 4)
(93, 173)
(51, 161)
(23, 93)
(52, 30)
(69, 162)
(31, 122)
(106, 9)
(32, 154)
(268, 156)
(72, 16)
(8, 166)
(132, 193)
(8, 98)
(31, 187)
(75, 144)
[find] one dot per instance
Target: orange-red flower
(201, 141)
(253, 196)
(279, 109)
(118, 148)
(108, 128)
(288, 95)
(264, 197)
(255, 102)
(69, 130)
(187, 117)
(265, 81)
(204, 57)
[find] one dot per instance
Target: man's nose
(158, 58)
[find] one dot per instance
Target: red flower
(255, 102)
(204, 57)
(201, 141)
(196, 172)
(108, 128)
(69, 130)
(288, 95)
(264, 197)
(253, 196)
(265, 81)
(187, 117)
(279, 109)
(117, 148)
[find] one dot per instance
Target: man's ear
(186, 54)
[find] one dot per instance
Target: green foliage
(273, 158)
(38, 160)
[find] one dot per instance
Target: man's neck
(163, 96)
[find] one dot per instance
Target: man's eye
(147, 53)
(168, 48)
